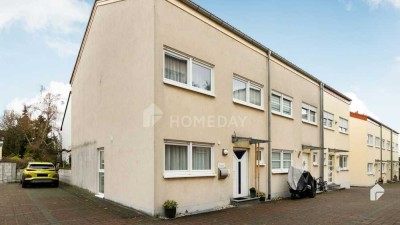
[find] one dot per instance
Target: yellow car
(39, 172)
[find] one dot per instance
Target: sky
(352, 45)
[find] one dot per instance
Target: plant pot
(253, 193)
(170, 213)
(262, 199)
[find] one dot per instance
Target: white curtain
(255, 96)
(276, 160)
(201, 158)
(239, 90)
(176, 157)
(175, 69)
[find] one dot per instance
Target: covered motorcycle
(301, 183)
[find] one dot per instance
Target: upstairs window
(388, 145)
(247, 93)
(383, 143)
(187, 72)
(281, 104)
(309, 113)
(370, 140)
(328, 120)
(377, 142)
(343, 125)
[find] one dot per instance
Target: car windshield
(41, 166)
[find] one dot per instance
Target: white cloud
(373, 4)
(397, 59)
(63, 47)
(54, 87)
(35, 15)
(357, 105)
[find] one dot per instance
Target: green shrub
(170, 204)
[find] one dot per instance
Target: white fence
(8, 172)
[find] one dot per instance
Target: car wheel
(56, 184)
(24, 184)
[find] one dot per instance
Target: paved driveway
(69, 205)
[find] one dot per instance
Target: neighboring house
(66, 133)
(1, 150)
(168, 98)
(337, 139)
(374, 151)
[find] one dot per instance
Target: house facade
(66, 143)
(374, 152)
(170, 102)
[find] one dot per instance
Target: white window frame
(370, 172)
(309, 108)
(388, 145)
(343, 130)
(282, 170)
(261, 154)
(281, 98)
(370, 140)
(326, 120)
(190, 62)
(249, 84)
(100, 170)
(377, 142)
(189, 172)
(383, 143)
(383, 167)
(344, 160)
(315, 158)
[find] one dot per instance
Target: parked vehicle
(301, 183)
(40, 172)
(322, 185)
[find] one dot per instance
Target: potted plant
(170, 208)
(253, 192)
(262, 196)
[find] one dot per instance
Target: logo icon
(151, 115)
(376, 192)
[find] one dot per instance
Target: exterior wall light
(225, 151)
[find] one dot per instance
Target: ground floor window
(383, 167)
(370, 168)
(315, 158)
(101, 171)
(188, 159)
(281, 161)
(343, 162)
(261, 157)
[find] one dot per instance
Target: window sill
(370, 146)
(282, 115)
(261, 164)
(315, 164)
(248, 104)
(187, 87)
(280, 171)
(329, 128)
(345, 133)
(344, 169)
(169, 176)
(310, 123)
(370, 174)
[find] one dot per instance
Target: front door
(241, 174)
(330, 169)
(306, 157)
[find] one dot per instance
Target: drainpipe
(269, 127)
(381, 154)
(321, 137)
(391, 154)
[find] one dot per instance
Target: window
(343, 125)
(383, 143)
(281, 161)
(281, 104)
(397, 147)
(370, 140)
(377, 142)
(328, 120)
(185, 159)
(309, 113)
(383, 167)
(370, 168)
(324, 159)
(261, 156)
(343, 162)
(101, 172)
(388, 145)
(247, 93)
(315, 158)
(188, 73)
